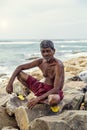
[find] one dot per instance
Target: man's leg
(22, 77)
(53, 99)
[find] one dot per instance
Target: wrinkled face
(47, 53)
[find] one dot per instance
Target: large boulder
(28, 115)
(6, 120)
(68, 120)
(49, 123)
(13, 103)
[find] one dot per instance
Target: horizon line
(33, 39)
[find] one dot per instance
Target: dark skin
(52, 69)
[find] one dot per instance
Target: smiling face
(47, 53)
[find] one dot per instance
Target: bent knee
(53, 99)
(18, 76)
(22, 76)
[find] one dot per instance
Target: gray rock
(72, 102)
(13, 103)
(27, 115)
(83, 76)
(49, 123)
(6, 120)
(68, 120)
(77, 120)
(9, 128)
(4, 98)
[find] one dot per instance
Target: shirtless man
(53, 70)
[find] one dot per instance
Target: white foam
(3, 69)
(76, 55)
(19, 42)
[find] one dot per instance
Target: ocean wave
(3, 70)
(73, 46)
(70, 41)
(32, 56)
(20, 42)
(74, 55)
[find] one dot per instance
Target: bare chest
(48, 71)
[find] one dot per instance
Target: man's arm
(35, 63)
(59, 77)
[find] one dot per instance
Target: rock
(49, 123)
(77, 120)
(73, 102)
(83, 76)
(73, 98)
(4, 98)
(33, 58)
(2, 75)
(5, 120)
(73, 85)
(72, 69)
(28, 115)
(22, 119)
(18, 89)
(9, 128)
(76, 65)
(3, 85)
(85, 101)
(37, 74)
(68, 120)
(68, 76)
(14, 103)
(73, 95)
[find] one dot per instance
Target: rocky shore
(72, 115)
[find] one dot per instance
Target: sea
(16, 52)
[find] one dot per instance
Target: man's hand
(32, 102)
(9, 89)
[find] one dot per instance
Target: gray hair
(47, 44)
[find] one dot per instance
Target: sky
(43, 19)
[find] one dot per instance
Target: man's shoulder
(59, 62)
(39, 61)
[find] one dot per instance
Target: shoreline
(73, 66)
(8, 70)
